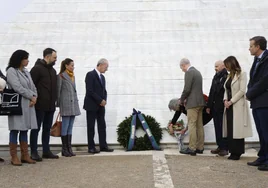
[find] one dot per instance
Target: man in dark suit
(193, 99)
(94, 104)
(216, 107)
(257, 94)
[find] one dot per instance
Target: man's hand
(103, 103)
(184, 130)
(1, 90)
(208, 110)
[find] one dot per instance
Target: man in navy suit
(257, 94)
(94, 104)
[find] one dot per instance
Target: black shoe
(255, 163)
(2, 160)
(188, 151)
(49, 155)
(263, 167)
(234, 157)
(93, 151)
(36, 157)
(215, 151)
(223, 153)
(106, 149)
(199, 151)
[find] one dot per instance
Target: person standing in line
(236, 119)
(45, 79)
(193, 99)
(94, 104)
(257, 94)
(68, 104)
(2, 87)
(216, 106)
(19, 79)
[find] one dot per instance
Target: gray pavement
(145, 169)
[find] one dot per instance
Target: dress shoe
(93, 151)
(49, 155)
(106, 150)
(263, 167)
(188, 151)
(255, 163)
(215, 151)
(234, 157)
(199, 151)
(36, 157)
(2, 160)
(223, 153)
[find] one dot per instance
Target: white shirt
(98, 72)
(261, 54)
(189, 67)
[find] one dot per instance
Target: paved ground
(147, 169)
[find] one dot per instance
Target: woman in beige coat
(236, 119)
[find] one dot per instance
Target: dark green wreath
(141, 143)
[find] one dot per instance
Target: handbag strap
(58, 116)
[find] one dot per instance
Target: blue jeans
(13, 136)
(67, 125)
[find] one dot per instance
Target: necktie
(256, 65)
(101, 80)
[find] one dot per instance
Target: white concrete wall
(143, 40)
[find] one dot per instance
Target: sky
(10, 8)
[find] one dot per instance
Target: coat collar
(236, 77)
(68, 79)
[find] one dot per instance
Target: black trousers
(261, 120)
(92, 116)
(44, 118)
(217, 119)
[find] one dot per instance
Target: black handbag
(11, 103)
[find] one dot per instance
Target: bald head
(219, 66)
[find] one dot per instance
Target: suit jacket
(95, 91)
(242, 127)
(193, 92)
(258, 84)
(67, 96)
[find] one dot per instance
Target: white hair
(184, 61)
(102, 61)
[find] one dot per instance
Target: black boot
(70, 145)
(64, 151)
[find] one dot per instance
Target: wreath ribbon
(145, 127)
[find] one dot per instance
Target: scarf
(71, 74)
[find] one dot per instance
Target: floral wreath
(141, 143)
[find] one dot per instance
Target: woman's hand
(31, 104)
(227, 104)
(33, 101)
